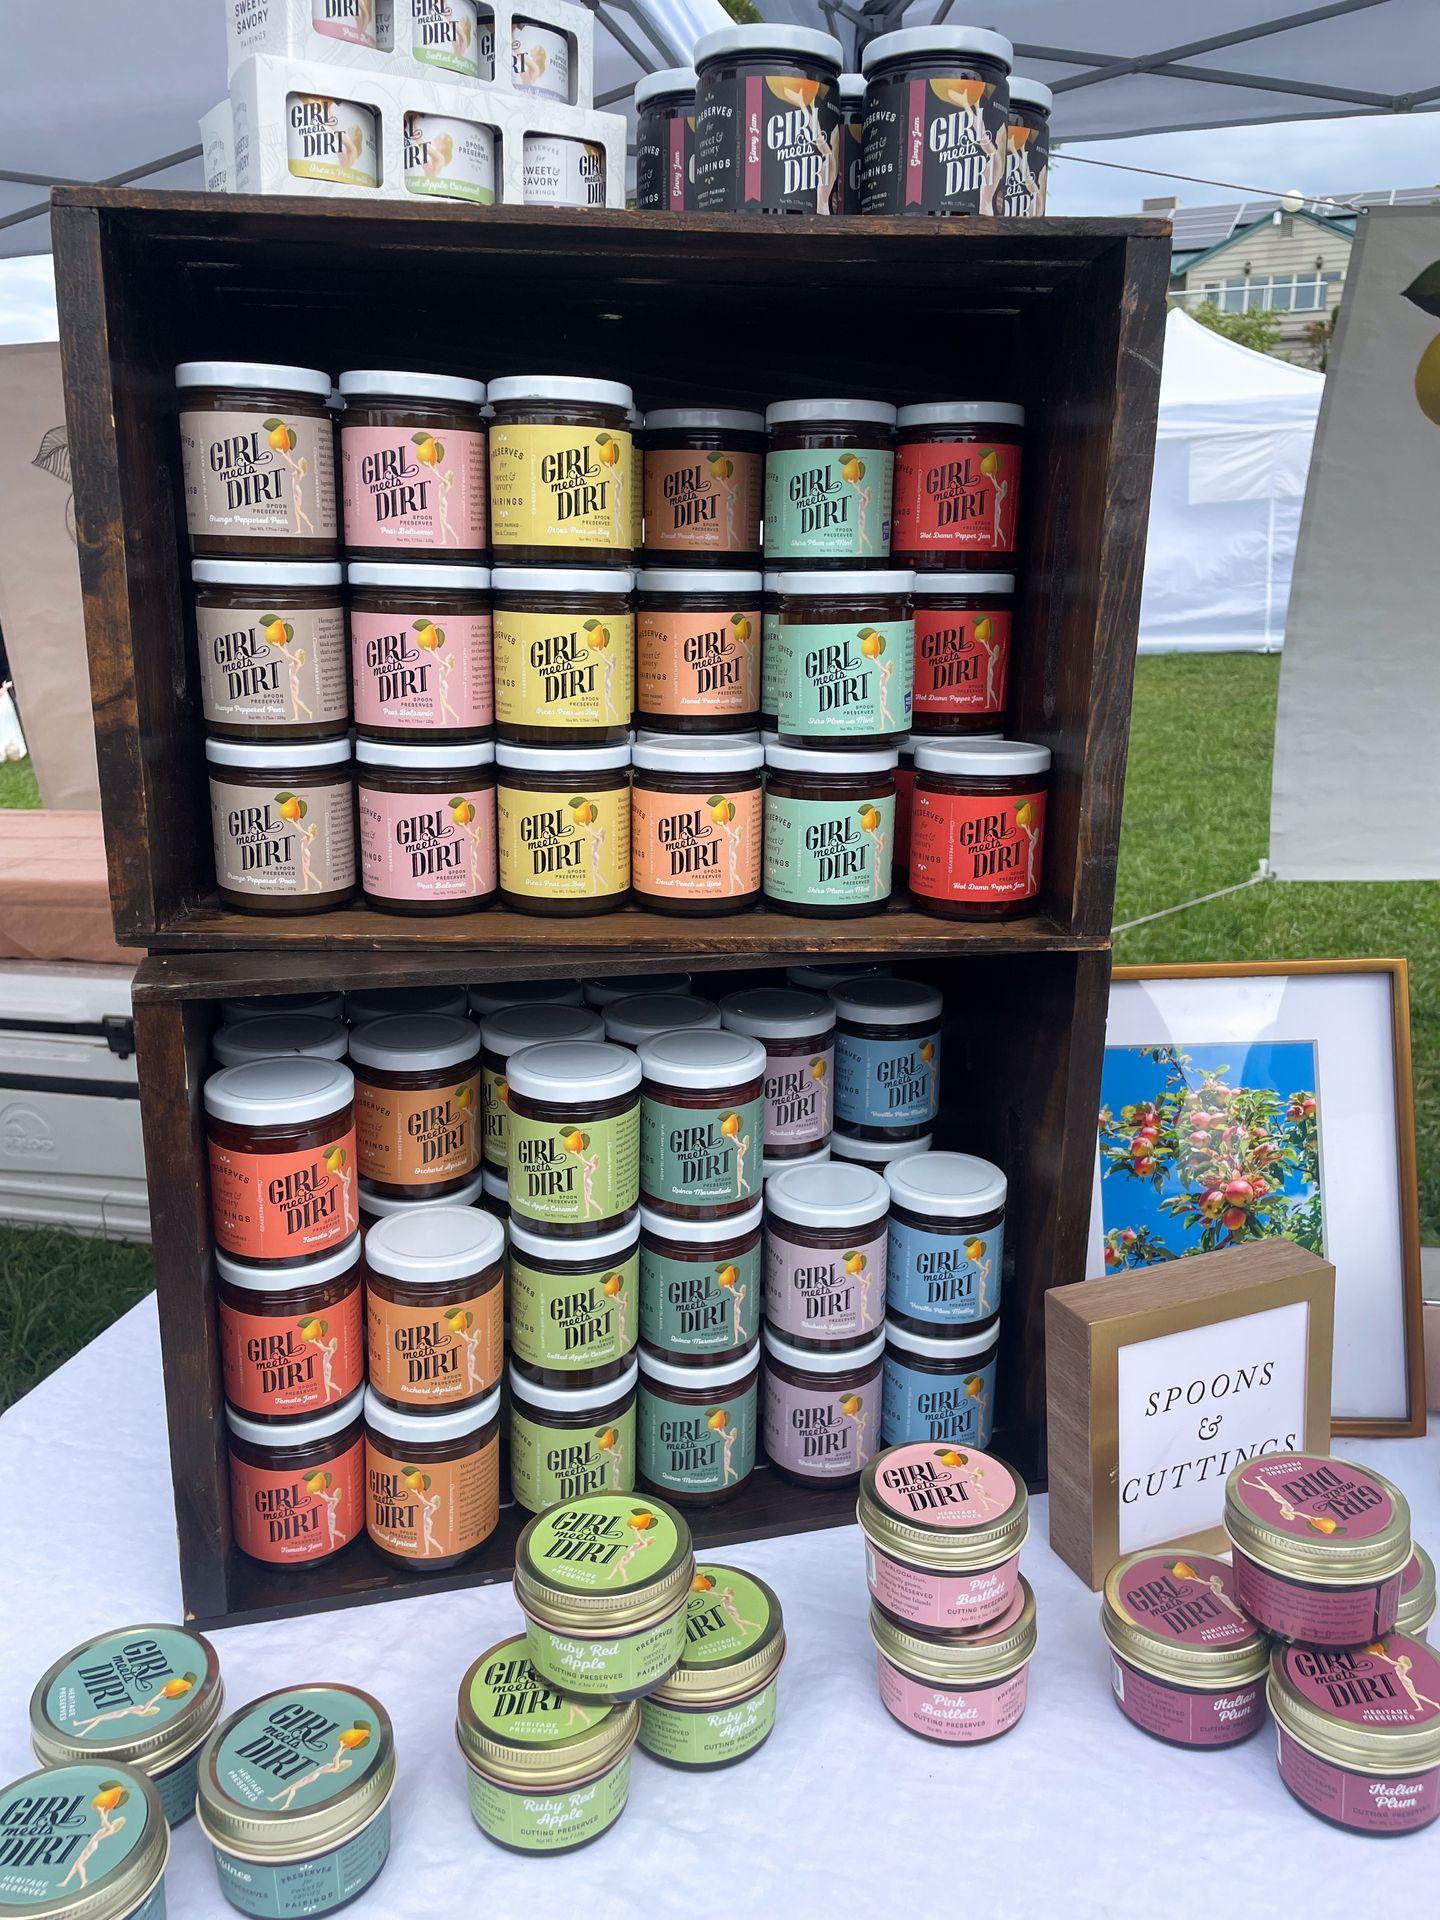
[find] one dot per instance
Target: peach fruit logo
(817, 1069)
(794, 90)
(726, 1277)
(702, 1583)
(975, 1250)
(290, 807)
(611, 1285)
(280, 437)
(716, 1419)
(608, 445)
(428, 635)
(950, 1457)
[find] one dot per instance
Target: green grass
(57, 1291)
(17, 784)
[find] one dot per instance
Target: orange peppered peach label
(690, 846)
(301, 1363)
(561, 487)
(569, 844)
(702, 666)
(438, 1356)
(417, 1136)
(284, 1206)
(432, 1511)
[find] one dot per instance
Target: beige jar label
(566, 844)
(433, 1511)
(259, 476)
(417, 1136)
(561, 487)
(564, 669)
(691, 846)
(702, 502)
(703, 666)
(262, 668)
(287, 843)
(435, 1356)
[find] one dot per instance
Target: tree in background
(744, 11)
(1259, 329)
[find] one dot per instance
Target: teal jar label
(769, 659)
(66, 1832)
(306, 1886)
(943, 1277)
(710, 1736)
(829, 504)
(126, 1686)
(296, 1750)
(705, 1449)
(830, 853)
(572, 1321)
(839, 681)
(887, 1083)
(958, 1406)
(549, 1822)
(698, 1157)
(699, 1306)
(177, 1789)
(616, 1666)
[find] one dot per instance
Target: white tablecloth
(843, 1815)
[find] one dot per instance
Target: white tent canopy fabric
(1231, 457)
(137, 74)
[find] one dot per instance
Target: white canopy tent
(1231, 458)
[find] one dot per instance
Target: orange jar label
(285, 1364)
(430, 1512)
(435, 1356)
(702, 502)
(701, 665)
(418, 1136)
(294, 1516)
(282, 1206)
(690, 846)
(981, 846)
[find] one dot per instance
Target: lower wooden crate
(1020, 1082)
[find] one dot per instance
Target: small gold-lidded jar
(943, 1530)
(959, 1689)
(86, 1841)
(718, 1706)
(1417, 1595)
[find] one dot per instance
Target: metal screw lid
(734, 1639)
(604, 1562)
(1354, 1706)
(126, 1865)
(992, 1653)
(1306, 1516)
(514, 1726)
(154, 1694)
(1165, 1614)
(1417, 1594)
(949, 1507)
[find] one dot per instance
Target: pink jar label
(1192, 1718)
(1368, 1803)
(428, 846)
(798, 1094)
(1391, 1682)
(413, 491)
(1309, 1497)
(1185, 1600)
(1327, 1616)
(952, 1601)
(419, 670)
(951, 1487)
(820, 1293)
(955, 1714)
(819, 1431)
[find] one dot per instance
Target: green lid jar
(574, 1304)
(83, 1842)
(718, 1706)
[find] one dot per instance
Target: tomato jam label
(956, 496)
(569, 844)
(416, 1136)
(828, 505)
(932, 145)
(840, 682)
(767, 143)
(703, 666)
(283, 1206)
(262, 668)
(426, 846)
(707, 1449)
(1027, 166)
(691, 846)
(303, 1514)
(435, 1356)
(962, 661)
(833, 853)
(564, 669)
(285, 844)
(702, 502)
(421, 670)
(414, 491)
(434, 1511)
(561, 487)
(303, 1363)
(976, 847)
(700, 1306)
(262, 477)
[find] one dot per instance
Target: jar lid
(1175, 1616)
(947, 1183)
(778, 1013)
(617, 580)
(266, 573)
(315, 1272)
(821, 976)
(720, 419)
(417, 758)
(643, 1015)
(816, 1157)
(962, 413)
(495, 1184)
(828, 586)
(383, 1208)
(430, 1429)
(948, 1506)
(304, 1432)
(415, 573)
(506, 1032)
(278, 1034)
(704, 1233)
(942, 586)
(989, 1653)
(734, 1639)
(877, 413)
(650, 86)
(1307, 1516)
(828, 1196)
(277, 756)
(604, 1561)
(717, 754)
(515, 1728)
(329, 1006)
(588, 1397)
(623, 986)
(852, 86)
(60, 1806)
(414, 1042)
(885, 1001)
(1030, 93)
(553, 386)
(772, 582)
(946, 1343)
(146, 1696)
(597, 1250)
(346, 1736)
(816, 760)
(375, 1003)
(253, 373)
(824, 1359)
(1371, 1709)
(762, 38)
(704, 1058)
(417, 386)
(434, 1245)
(1417, 1593)
(572, 1071)
(937, 39)
(279, 1092)
(692, 580)
(524, 993)
(881, 1153)
(981, 759)
(572, 762)
(717, 1373)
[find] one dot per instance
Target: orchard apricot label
(564, 843)
(435, 1356)
(248, 476)
(417, 1136)
(976, 847)
(823, 505)
(564, 669)
(435, 1509)
(844, 682)
(574, 1174)
(561, 487)
(956, 496)
(962, 661)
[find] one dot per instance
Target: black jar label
(933, 145)
(768, 143)
(665, 163)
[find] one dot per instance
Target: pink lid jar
(1187, 1663)
(959, 1689)
(943, 1529)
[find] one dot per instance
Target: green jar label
(573, 1320)
(833, 853)
(306, 1886)
(838, 681)
(707, 1737)
(769, 659)
(700, 1306)
(617, 1665)
(706, 1449)
(725, 1616)
(297, 1750)
(574, 1173)
(829, 505)
(495, 1112)
(567, 1463)
(694, 1157)
(65, 1832)
(126, 1686)
(548, 1822)
(509, 1698)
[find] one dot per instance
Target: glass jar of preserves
(282, 822)
(574, 1304)
(297, 1490)
(887, 1057)
(977, 828)
(257, 460)
(504, 1033)
(936, 110)
(947, 1239)
(697, 647)
(767, 112)
(957, 484)
(829, 482)
(962, 651)
(427, 826)
(665, 140)
(821, 1416)
(271, 641)
(420, 649)
(281, 1148)
(574, 1136)
(412, 458)
(572, 1439)
(417, 1104)
(697, 1421)
(561, 471)
(829, 830)
(1027, 150)
(563, 824)
(292, 1339)
(825, 1248)
(696, 824)
(845, 649)
(700, 1283)
(432, 1480)
(434, 1306)
(702, 1118)
(704, 480)
(564, 654)
(797, 1031)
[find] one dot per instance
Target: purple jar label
(1310, 1497)
(797, 1097)
(887, 1083)
(1187, 1715)
(921, 1405)
(1185, 1600)
(824, 1294)
(1370, 1803)
(1392, 1682)
(820, 1431)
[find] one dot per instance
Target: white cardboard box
(217, 145)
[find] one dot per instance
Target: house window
(1280, 293)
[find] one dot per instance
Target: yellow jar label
(573, 669)
(561, 487)
(569, 844)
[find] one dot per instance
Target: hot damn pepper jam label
(767, 143)
(267, 478)
(932, 146)
(829, 506)
(414, 1137)
(568, 844)
(976, 847)
(956, 496)
(561, 487)
(962, 661)
(564, 670)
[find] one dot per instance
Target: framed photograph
(1252, 1102)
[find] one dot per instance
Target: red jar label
(278, 1365)
(976, 847)
(962, 661)
(282, 1206)
(956, 496)
(298, 1515)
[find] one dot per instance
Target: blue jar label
(887, 1083)
(829, 504)
(127, 1686)
(920, 1405)
(702, 1449)
(306, 1886)
(946, 1278)
(67, 1832)
(699, 1306)
(297, 1750)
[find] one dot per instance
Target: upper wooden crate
(1062, 315)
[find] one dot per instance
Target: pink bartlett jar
(1320, 1546)
(959, 1689)
(943, 1529)
(1187, 1663)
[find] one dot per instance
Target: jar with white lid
(574, 1135)
(417, 1104)
(427, 825)
(278, 1034)
(821, 1409)
(887, 1057)
(702, 1121)
(947, 1241)
(815, 1157)
(567, 1442)
(697, 1425)
(504, 1033)
(271, 641)
(574, 1304)
(829, 482)
(524, 993)
(328, 1006)
(377, 1207)
(420, 650)
(564, 654)
(610, 987)
(825, 1249)
(375, 1003)
(432, 1480)
(704, 478)
(282, 819)
(257, 460)
(412, 456)
(879, 1154)
(697, 636)
(939, 1383)
(821, 976)
(281, 1144)
(936, 111)
(292, 1339)
(962, 652)
(561, 471)
(1027, 150)
(767, 120)
(696, 819)
(297, 1487)
(563, 822)
(642, 1016)
(957, 484)
(434, 1306)
(845, 646)
(829, 830)
(701, 1283)
(977, 828)
(665, 140)
(797, 1031)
